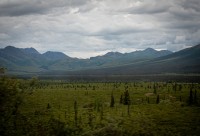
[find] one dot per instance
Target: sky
(85, 28)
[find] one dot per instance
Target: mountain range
(30, 60)
(148, 61)
(186, 61)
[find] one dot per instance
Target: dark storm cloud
(84, 28)
(27, 7)
(20, 8)
(191, 4)
(149, 8)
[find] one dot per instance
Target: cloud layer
(85, 28)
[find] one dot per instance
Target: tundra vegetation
(59, 108)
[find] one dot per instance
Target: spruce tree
(175, 87)
(128, 109)
(75, 113)
(148, 100)
(191, 97)
(126, 98)
(48, 106)
(154, 89)
(112, 101)
(195, 97)
(158, 99)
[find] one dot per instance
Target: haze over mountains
(148, 61)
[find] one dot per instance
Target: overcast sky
(85, 28)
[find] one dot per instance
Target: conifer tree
(48, 106)
(191, 97)
(195, 97)
(175, 87)
(126, 98)
(154, 89)
(157, 99)
(75, 113)
(128, 109)
(112, 102)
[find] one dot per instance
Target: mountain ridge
(148, 61)
(32, 50)
(54, 55)
(183, 62)
(30, 60)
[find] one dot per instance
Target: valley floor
(96, 109)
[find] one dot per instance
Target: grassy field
(154, 108)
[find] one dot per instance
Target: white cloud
(84, 28)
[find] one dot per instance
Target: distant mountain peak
(30, 50)
(10, 47)
(16, 59)
(113, 54)
(149, 50)
(53, 55)
(54, 52)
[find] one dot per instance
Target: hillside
(29, 60)
(183, 62)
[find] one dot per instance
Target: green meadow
(59, 108)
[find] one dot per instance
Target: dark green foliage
(101, 113)
(48, 106)
(75, 113)
(128, 109)
(121, 99)
(92, 115)
(175, 87)
(158, 99)
(180, 87)
(195, 97)
(33, 81)
(180, 98)
(90, 118)
(112, 100)
(106, 131)
(190, 101)
(126, 98)
(10, 100)
(2, 70)
(59, 128)
(98, 105)
(154, 89)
